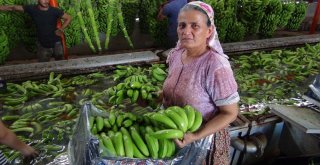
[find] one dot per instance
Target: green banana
(144, 93)
(118, 142)
(119, 120)
(149, 129)
(163, 119)
(106, 123)
(135, 85)
(37, 126)
(99, 122)
(163, 147)
(168, 134)
(158, 76)
(112, 118)
(91, 121)
(107, 142)
(177, 119)
(11, 117)
(127, 123)
(136, 152)
(181, 113)
(160, 71)
(94, 129)
(129, 92)
(128, 146)
(139, 141)
(197, 122)
(135, 96)
(171, 148)
(151, 146)
(24, 129)
(115, 128)
(111, 134)
(190, 111)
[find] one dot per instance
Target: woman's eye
(182, 26)
(195, 26)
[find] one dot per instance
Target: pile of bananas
(275, 75)
(133, 136)
(297, 16)
(4, 47)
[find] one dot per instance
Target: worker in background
(170, 9)
(45, 18)
(8, 138)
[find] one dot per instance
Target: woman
(200, 75)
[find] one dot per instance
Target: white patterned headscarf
(213, 41)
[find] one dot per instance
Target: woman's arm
(8, 138)
(227, 114)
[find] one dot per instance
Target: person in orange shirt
(45, 18)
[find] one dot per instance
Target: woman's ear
(210, 31)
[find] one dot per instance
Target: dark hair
(197, 8)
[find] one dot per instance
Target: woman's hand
(187, 139)
(29, 152)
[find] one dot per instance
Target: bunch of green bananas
(174, 119)
(133, 87)
(224, 16)
(146, 12)
(5, 19)
(4, 47)
(236, 32)
(73, 32)
(149, 24)
(251, 13)
(271, 18)
(158, 74)
(102, 7)
(287, 10)
(9, 2)
(128, 135)
(297, 16)
(134, 83)
(130, 14)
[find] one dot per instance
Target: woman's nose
(187, 30)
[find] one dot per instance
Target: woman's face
(193, 31)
